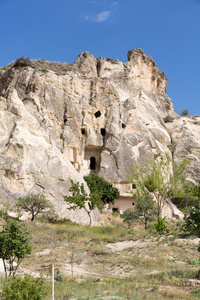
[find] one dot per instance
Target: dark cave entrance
(92, 163)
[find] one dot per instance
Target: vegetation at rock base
(192, 222)
(153, 266)
(188, 198)
(101, 192)
(168, 119)
(80, 199)
(101, 189)
(160, 226)
(120, 260)
(156, 179)
(14, 245)
(26, 288)
(144, 210)
(34, 204)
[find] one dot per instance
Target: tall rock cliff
(61, 121)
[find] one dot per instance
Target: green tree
(25, 288)
(156, 179)
(80, 199)
(101, 189)
(184, 112)
(34, 204)
(144, 210)
(14, 245)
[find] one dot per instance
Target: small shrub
(192, 222)
(44, 71)
(168, 119)
(100, 252)
(184, 112)
(68, 296)
(128, 216)
(42, 59)
(194, 262)
(172, 148)
(196, 122)
(113, 61)
(23, 288)
(160, 226)
(196, 292)
(58, 277)
(22, 62)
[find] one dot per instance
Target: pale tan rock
(185, 135)
(56, 124)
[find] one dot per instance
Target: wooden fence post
(52, 282)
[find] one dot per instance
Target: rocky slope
(59, 122)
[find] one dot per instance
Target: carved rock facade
(97, 115)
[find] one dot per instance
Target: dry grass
(152, 265)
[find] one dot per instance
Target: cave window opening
(97, 114)
(133, 203)
(83, 131)
(103, 131)
(92, 163)
(133, 186)
(123, 125)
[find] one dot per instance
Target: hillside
(113, 261)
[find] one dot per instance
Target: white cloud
(102, 16)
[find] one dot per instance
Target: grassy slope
(150, 269)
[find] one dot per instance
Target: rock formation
(61, 121)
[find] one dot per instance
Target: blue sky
(59, 30)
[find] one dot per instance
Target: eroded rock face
(97, 115)
(185, 135)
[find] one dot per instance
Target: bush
(113, 61)
(22, 62)
(168, 119)
(144, 210)
(58, 277)
(17, 288)
(42, 59)
(192, 222)
(128, 216)
(160, 226)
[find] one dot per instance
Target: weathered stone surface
(171, 211)
(57, 125)
(185, 137)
